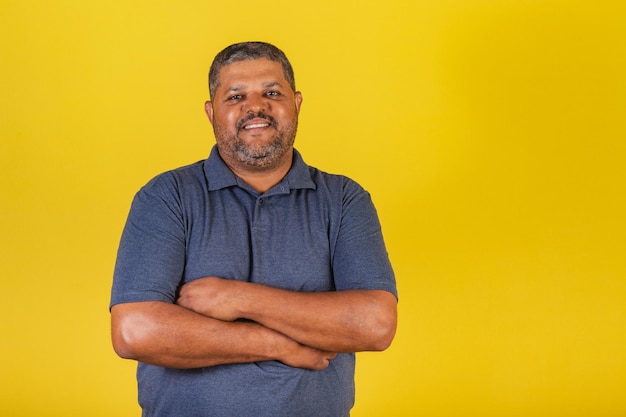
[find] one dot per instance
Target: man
(245, 282)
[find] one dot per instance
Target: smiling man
(246, 282)
(254, 114)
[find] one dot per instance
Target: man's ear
(298, 99)
(208, 109)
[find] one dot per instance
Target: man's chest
(279, 241)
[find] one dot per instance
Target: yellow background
(491, 135)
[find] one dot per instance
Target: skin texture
(254, 116)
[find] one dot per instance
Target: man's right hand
(301, 356)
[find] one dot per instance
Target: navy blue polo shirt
(313, 231)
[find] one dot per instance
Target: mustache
(258, 115)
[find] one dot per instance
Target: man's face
(254, 114)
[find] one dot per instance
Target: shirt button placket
(260, 215)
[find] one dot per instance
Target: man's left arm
(337, 321)
(359, 314)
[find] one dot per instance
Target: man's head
(247, 51)
(254, 107)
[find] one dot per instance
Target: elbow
(383, 325)
(122, 342)
(122, 350)
(127, 334)
(122, 346)
(384, 341)
(383, 333)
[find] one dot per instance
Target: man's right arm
(171, 336)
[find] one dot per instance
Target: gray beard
(258, 157)
(261, 156)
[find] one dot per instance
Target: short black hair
(245, 51)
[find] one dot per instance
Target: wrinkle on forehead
(240, 73)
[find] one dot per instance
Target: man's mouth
(256, 121)
(256, 125)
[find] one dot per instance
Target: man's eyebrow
(272, 84)
(236, 88)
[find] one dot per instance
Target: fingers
(324, 361)
(310, 358)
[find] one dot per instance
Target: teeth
(256, 125)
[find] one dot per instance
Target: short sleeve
(151, 255)
(360, 259)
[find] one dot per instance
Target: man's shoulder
(334, 182)
(177, 178)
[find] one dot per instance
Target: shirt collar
(219, 176)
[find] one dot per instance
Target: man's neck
(262, 179)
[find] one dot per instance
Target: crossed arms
(300, 329)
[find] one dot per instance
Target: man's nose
(255, 103)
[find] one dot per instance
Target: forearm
(171, 336)
(338, 321)
(341, 321)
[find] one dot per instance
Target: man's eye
(235, 97)
(273, 93)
